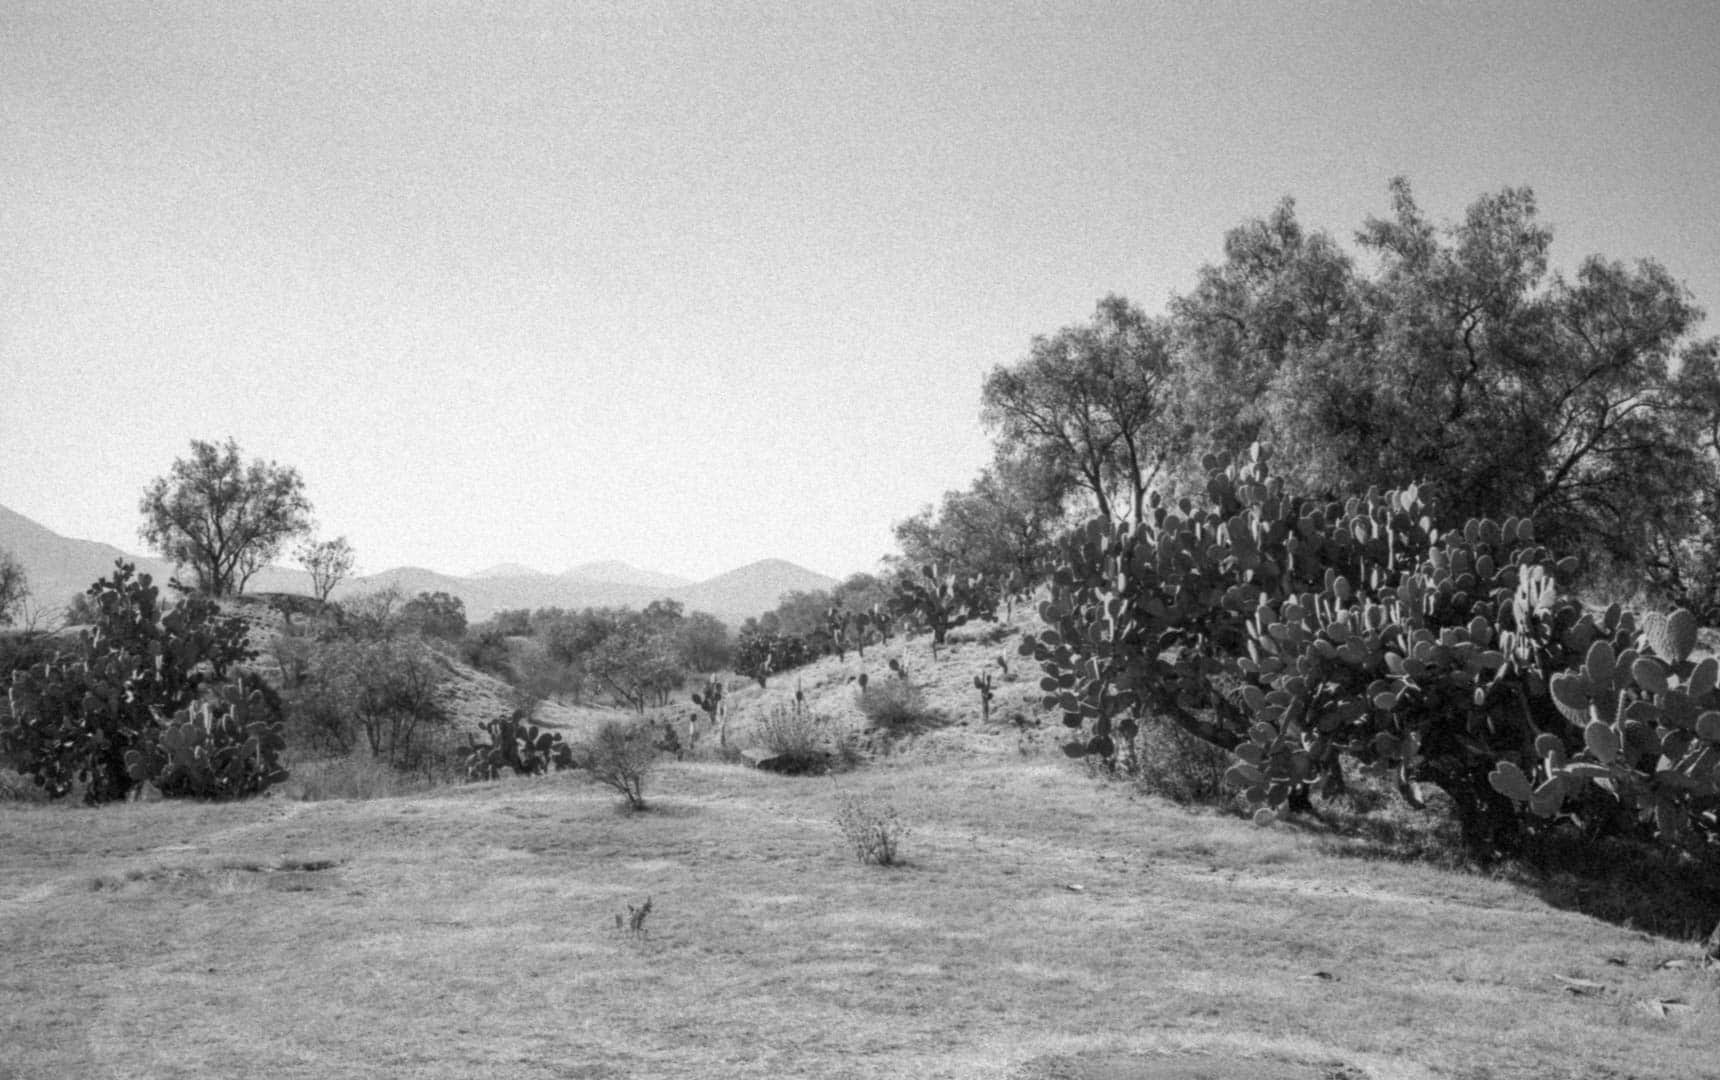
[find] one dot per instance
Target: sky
(691, 285)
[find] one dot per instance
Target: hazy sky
(691, 285)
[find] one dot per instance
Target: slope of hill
(59, 567)
(752, 589)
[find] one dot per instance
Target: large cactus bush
(227, 747)
(74, 718)
(1300, 633)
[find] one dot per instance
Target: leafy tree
(223, 519)
(515, 622)
(638, 666)
(1091, 404)
(1458, 361)
(1003, 528)
(328, 562)
(14, 587)
(704, 643)
(435, 614)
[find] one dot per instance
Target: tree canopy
(221, 518)
(1447, 355)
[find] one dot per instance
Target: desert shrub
(874, 830)
(796, 738)
(620, 756)
(894, 704)
(382, 693)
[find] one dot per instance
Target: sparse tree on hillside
(221, 518)
(1091, 403)
(14, 587)
(435, 614)
(328, 562)
(1003, 528)
(704, 643)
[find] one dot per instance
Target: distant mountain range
(61, 567)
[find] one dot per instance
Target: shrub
(874, 831)
(894, 705)
(621, 755)
(760, 655)
(795, 737)
(383, 692)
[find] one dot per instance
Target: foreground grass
(1042, 926)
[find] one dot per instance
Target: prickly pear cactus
(1643, 736)
(520, 746)
(223, 748)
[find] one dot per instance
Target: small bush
(621, 755)
(874, 831)
(795, 736)
(894, 704)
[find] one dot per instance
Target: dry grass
(1039, 925)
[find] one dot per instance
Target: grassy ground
(1041, 926)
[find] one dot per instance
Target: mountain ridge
(60, 567)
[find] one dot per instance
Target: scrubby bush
(382, 694)
(874, 830)
(621, 755)
(798, 739)
(894, 705)
(758, 655)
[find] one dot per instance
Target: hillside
(60, 568)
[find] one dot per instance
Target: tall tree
(222, 518)
(1089, 402)
(1002, 528)
(1457, 360)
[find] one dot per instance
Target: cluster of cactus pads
(520, 746)
(225, 748)
(940, 601)
(1297, 634)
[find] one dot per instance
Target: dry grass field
(1042, 924)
